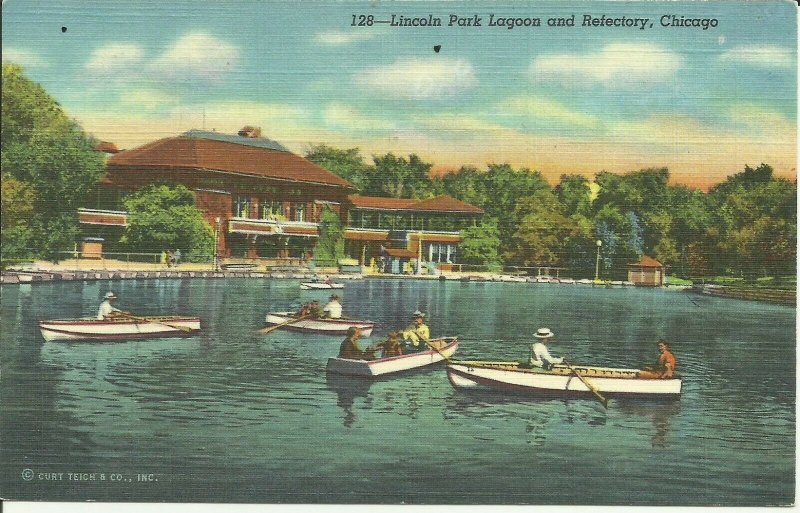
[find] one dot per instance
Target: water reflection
(537, 414)
(348, 389)
(660, 412)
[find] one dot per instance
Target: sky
(570, 99)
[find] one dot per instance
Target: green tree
(755, 219)
(545, 235)
(163, 217)
(398, 177)
(574, 194)
(330, 246)
(51, 155)
(621, 235)
(16, 207)
(480, 243)
(348, 164)
(497, 191)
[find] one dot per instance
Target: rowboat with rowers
(291, 321)
(119, 328)
(561, 380)
(440, 349)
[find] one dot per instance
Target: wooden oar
(270, 329)
(145, 319)
(591, 386)
(427, 343)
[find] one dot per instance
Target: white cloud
(197, 55)
(615, 66)
(344, 117)
(27, 58)
(546, 109)
(420, 78)
(768, 56)
(115, 58)
(150, 99)
(336, 38)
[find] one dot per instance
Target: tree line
(745, 226)
(50, 166)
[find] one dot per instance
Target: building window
(241, 207)
(300, 212)
(271, 209)
(442, 253)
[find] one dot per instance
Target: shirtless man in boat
(106, 310)
(665, 368)
(418, 334)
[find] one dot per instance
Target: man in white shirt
(540, 356)
(105, 306)
(334, 308)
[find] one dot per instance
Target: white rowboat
(393, 364)
(323, 326)
(313, 285)
(560, 381)
(120, 328)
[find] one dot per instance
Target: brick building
(265, 201)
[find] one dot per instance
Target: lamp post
(216, 245)
(419, 254)
(597, 264)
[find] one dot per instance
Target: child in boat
(349, 348)
(391, 346)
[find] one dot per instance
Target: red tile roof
(437, 204)
(381, 203)
(646, 261)
(222, 155)
(447, 204)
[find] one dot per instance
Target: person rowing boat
(106, 310)
(312, 310)
(540, 356)
(418, 334)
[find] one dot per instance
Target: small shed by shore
(647, 272)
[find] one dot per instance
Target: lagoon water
(234, 416)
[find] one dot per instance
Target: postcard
(414, 252)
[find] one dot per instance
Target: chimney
(250, 132)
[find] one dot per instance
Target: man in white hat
(333, 309)
(105, 307)
(540, 356)
(418, 334)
